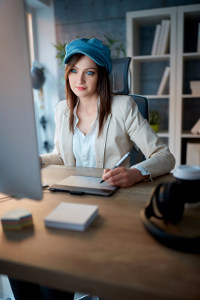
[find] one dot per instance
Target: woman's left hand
(122, 176)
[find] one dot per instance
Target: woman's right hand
(123, 177)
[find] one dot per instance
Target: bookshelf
(188, 68)
(178, 108)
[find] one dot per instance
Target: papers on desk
(72, 216)
(84, 185)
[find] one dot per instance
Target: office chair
(120, 82)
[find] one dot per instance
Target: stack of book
(161, 38)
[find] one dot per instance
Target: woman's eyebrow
(86, 68)
(91, 68)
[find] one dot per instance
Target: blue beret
(91, 47)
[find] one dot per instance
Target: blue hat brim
(91, 54)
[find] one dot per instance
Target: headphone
(165, 207)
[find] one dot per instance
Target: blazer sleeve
(159, 159)
(54, 158)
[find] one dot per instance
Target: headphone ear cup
(170, 202)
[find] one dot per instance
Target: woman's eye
(73, 70)
(90, 72)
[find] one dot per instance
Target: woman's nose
(80, 78)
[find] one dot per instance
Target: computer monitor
(19, 160)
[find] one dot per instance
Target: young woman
(96, 129)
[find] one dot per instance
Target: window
(29, 19)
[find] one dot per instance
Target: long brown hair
(103, 90)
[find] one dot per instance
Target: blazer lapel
(100, 143)
(67, 142)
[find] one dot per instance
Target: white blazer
(123, 127)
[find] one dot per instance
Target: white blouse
(84, 145)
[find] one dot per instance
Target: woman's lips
(80, 88)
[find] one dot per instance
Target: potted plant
(60, 47)
(154, 120)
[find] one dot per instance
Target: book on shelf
(156, 39)
(195, 87)
(164, 38)
(198, 39)
(196, 128)
(161, 38)
(163, 81)
(193, 154)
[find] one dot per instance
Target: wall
(90, 18)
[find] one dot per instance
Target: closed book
(156, 40)
(71, 216)
(164, 46)
(164, 32)
(164, 80)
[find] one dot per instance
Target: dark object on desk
(79, 185)
(165, 210)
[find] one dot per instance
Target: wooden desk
(115, 258)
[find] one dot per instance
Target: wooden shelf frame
(175, 59)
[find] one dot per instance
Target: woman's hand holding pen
(123, 177)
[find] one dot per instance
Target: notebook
(72, 216)
(84, 185)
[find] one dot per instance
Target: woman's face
(83, 78)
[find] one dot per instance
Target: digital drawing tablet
(84, 185)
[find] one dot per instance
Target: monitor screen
(19, 160)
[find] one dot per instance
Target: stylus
(119, 163)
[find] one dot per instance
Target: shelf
(186, 96)
(190, 135)
(191, 55)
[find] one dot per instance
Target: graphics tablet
(84, 185)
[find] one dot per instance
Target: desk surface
(115, 258)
